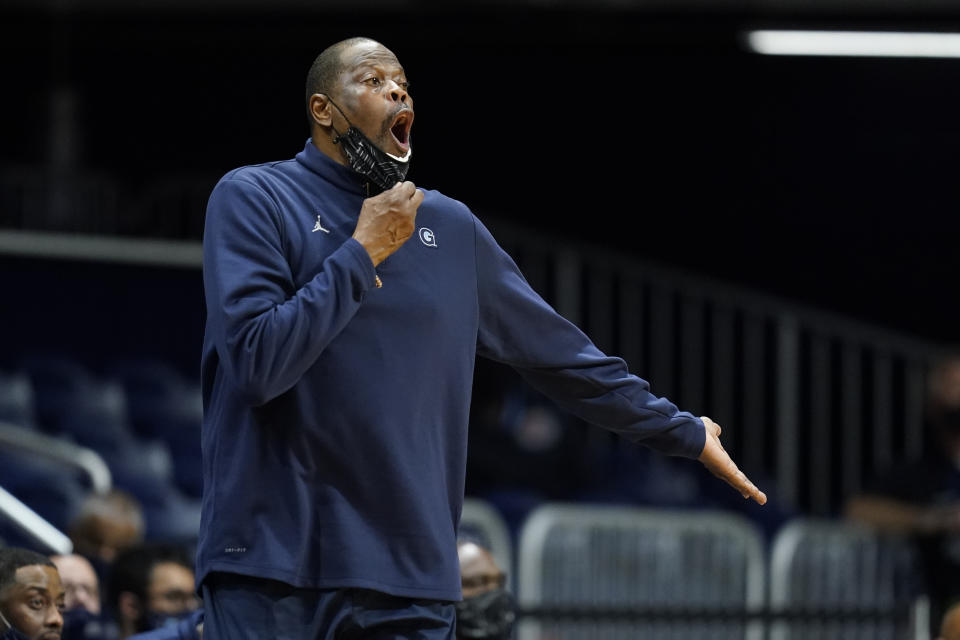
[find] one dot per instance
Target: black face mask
(163, 620)
(488, 616)
(80, 624)
(369, 160)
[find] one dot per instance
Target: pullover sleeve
(518, 328)
(267, 332)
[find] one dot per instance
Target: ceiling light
(855, 43)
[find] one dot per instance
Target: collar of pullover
(339, 175)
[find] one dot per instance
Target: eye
(36, 603)
(404, 85)
(374, 81)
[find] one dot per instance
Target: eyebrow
(378, 66)
(36, 587)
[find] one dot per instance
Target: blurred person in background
(82, 606)
(104, 525)
(921, 498)
(152, 586)
(487, 611)
(345, 311)
(950, 627)
(31, 596)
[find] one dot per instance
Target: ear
(320, 110)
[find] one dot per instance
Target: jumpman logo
(319, 227)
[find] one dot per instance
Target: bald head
(950, 628)
(479, 572)
(80, 584)
(322, 77)
(106, 524)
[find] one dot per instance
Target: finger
(407, 188)
(744, 487)
(417, 197)
(721, 465)
(711, 425)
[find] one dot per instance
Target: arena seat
(153, 389)
(143, 469)
(829, 564)
(16, 399)
(175, 519)
(51, 491)
(183, 439)
(617, 557)
(57, 380)
(96, 417)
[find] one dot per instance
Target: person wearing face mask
(345, 310)
(487, 611)
(82, 607)
(921, 498)
(152, 587)
(31, 596)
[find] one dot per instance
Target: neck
(323, 141)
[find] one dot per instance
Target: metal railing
(33, 525)
(59, 451)
(814, 400)
(62, 453)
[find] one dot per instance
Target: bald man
(487, 611)
(80, 584)
(345, 312)
(82, 610)
(950, 627)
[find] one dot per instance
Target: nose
(398, 93)
(54, 618)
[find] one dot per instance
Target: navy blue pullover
(335, 413)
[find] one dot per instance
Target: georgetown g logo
(427, 237)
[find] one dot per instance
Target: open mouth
(400, 129)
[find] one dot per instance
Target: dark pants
(239, 607)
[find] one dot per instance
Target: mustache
(388, 121)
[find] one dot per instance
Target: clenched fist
(387, 220)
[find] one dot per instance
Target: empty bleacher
(142, 418)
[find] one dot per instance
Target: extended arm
(518, 328)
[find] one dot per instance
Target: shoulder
(434, 199)
(259, 175)
(257, 184)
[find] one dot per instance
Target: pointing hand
(715, 458)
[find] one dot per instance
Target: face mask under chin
(379, 167)
(488, 616)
